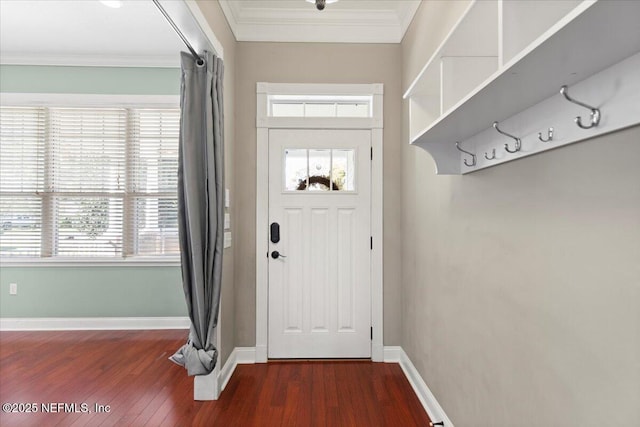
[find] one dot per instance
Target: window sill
(91, 262)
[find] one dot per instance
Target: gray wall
(314, 63)
(521, 283)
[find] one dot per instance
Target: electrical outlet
(227, 239)
(227, 221)
(13, 289)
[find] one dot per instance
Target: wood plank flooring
(129, 372)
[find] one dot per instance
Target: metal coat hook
(473, 156)
(595, 113)
(549, 136)
(506, 146)
(493, 155)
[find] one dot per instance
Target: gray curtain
(201, 207)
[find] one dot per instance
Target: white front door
(319, 249)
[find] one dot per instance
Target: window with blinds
(153, 173)
(22, 135)
(88, 182)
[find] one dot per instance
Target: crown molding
(407, 17)
(362, 25)
(231, 19)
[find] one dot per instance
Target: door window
(319, 170)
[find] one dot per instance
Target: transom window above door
(317, 170)
(320, 106)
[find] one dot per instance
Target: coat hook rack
(473, 156)
(549, 136)
(595, 112)
(493, 155)
(506, 146)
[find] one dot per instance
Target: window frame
(53, 100)
(328, 100)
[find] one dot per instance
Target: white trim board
(202, 22)
(92, 323)
(263, 124)
(83, 262)
(239, 356)
(192, 23)
(209, 387)
(88, 100)
(426, 397)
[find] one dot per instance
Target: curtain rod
(195, 55)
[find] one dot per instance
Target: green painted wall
(96, 80)
(91, 291)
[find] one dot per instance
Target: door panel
(346, 279)
(318, 271)
(319, 293)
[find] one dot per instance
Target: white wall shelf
(506, 61)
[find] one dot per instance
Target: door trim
(263, 124)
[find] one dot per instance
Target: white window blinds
(154, 180)
(22, 133)
(87, 168)
(89, 182)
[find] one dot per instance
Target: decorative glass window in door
(319, 169)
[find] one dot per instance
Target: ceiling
(86, 32)
(347, 21)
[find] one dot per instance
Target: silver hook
(506, 146)
(493, 155)
(595, 113)
(473, 156)
(549, 135)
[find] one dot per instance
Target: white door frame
(263, 123)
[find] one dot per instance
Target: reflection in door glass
(319, 169)
(342, 173)
(295, 168)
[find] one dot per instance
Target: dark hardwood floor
(129, 372)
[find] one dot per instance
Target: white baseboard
(428, 400)
(239, 356)
(206, 387)
(261, 354)
(377, 353)
(245, 355)
(92, 323)
(209, 387)
(392, 354)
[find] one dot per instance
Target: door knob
(276, 255)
